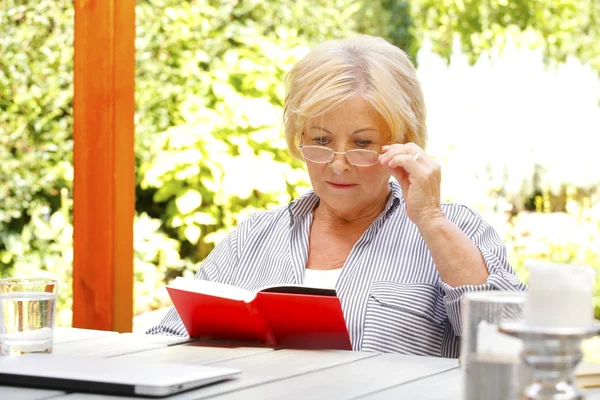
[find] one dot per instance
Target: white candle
(560, 295)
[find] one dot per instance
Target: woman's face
(346, 189)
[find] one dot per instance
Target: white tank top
(324, 279)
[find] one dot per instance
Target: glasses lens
(317, 154)
(362, 158)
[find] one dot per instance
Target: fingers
(418, 176)
(407, 156)
(408, 148)
(402, 177)
(404, 156)
(405, 161)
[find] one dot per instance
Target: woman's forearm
(458, 261)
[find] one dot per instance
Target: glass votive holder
(490, 361)
(27, 315)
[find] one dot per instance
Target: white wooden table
(267, 373)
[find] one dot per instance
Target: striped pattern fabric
(391, 293)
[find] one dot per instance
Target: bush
(36, 90)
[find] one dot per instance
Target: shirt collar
(306, 203)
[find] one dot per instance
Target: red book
(291, 316)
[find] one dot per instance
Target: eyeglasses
(324, 155)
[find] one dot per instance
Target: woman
(399, 259)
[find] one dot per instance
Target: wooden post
(104, 183)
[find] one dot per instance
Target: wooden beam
(104, 185)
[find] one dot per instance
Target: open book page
(213, 289)
(587, 375)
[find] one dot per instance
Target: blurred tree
(35, 112)
(562, 28)
(391, 19)
(35, 122)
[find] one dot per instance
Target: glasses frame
(345, 153)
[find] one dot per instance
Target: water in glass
(26, 322)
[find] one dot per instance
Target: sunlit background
(512, 90)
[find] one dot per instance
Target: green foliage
(36, 90)
(563, 28)
(35, 109)
(155, 254)
(47, 240)
(391, 19)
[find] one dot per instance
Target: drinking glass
(27, 314)
(490, 360)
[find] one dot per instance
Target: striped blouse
(392, 296)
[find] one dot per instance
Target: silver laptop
(106, 375)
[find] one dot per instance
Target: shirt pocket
(404, 318)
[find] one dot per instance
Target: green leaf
(189, 201)
(166, 191)
(204, 219)
(57, 221)
(192, 233)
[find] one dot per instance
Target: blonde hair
(337, 70)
